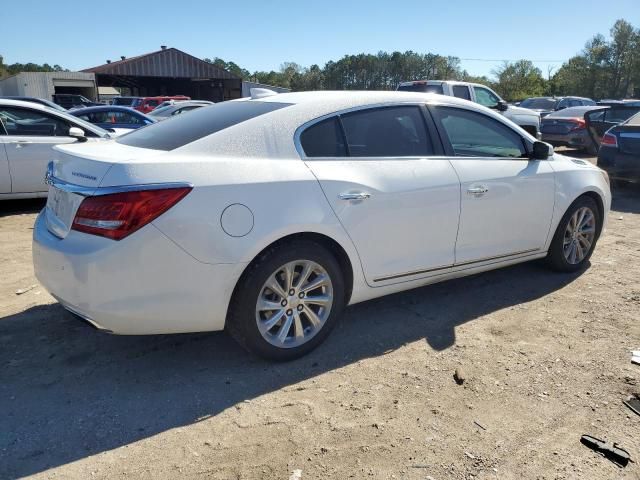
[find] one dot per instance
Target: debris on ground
(635, 357)
(633, 403)
(479, 425)
(25, 290)
(617, 455)
(458, 376)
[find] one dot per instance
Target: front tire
(576, 236)
(288, 301)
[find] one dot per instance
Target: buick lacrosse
(267, 216)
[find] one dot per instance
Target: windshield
(126, 101)
(421, 87)
(184, 129)
(539, 103)
(161, 111)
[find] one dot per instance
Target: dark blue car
(112, 116)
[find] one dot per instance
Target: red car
(147, 104)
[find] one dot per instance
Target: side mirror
(78, 134)
(541, 151)
(502, 106)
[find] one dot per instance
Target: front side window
(387, 132)
(461, 91)
(26, 122)
(485, 97)
(324, 139)
(474, 134)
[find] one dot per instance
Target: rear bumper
(575, 140)
(143, 284)
(619, 165)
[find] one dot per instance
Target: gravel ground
(545, 359)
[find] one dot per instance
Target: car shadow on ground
(17, 207)
(69, 392)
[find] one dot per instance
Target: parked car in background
(147, 104)
(619, 152)
(567, 128)
(27, 132)
(41, 101)
(187, 231)
(113, 117)
(546, 105)
(529, 120)
(600, 120)
(69, 101)
(125, 101)
(178, 107)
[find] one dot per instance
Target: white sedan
(28, 130)
(266, 216)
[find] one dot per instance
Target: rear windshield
(539, 103)
(421, 87)
(184, 129)
(634, 121)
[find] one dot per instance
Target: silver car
(162, 113)
(27, 132)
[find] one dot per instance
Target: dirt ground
(545, 356)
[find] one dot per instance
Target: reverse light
(118, 215)
(610, 140)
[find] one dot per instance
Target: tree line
(605, 68)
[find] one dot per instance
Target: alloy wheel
(294, 303)
(579, 235)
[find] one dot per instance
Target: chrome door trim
(507, 256)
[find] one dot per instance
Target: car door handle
(477, 191)
(354, 196)
(20, 143)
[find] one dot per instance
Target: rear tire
(576, 236)
(289, 318)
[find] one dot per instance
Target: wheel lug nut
(289, 312)
(292, 292)
(300, 307)
(301, 295)
(283, 303)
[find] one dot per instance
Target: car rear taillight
(610, 140)
(117, 215)
(579, 124)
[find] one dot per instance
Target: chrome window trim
(436, 102)
(55, 182)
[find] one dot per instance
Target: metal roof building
(169, 71)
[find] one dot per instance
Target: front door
(397, 201)
(5, 174)
(506, 199)
(30, 136)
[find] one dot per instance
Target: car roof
(102, 108)
(23, 103)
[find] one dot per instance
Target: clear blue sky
(262, 35)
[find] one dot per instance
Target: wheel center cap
(293, 301)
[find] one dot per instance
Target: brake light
(118, 215)
(610, 140)
(579, 124)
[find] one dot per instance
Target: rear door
(395, 196)
(30, 136)
(506, 198)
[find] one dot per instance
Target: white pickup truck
(529, 120)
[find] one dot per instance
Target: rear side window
(461, 91)
(184, 129)
(387, 132)
(324, 139)
(474, 134)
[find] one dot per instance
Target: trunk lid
(76, 171)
